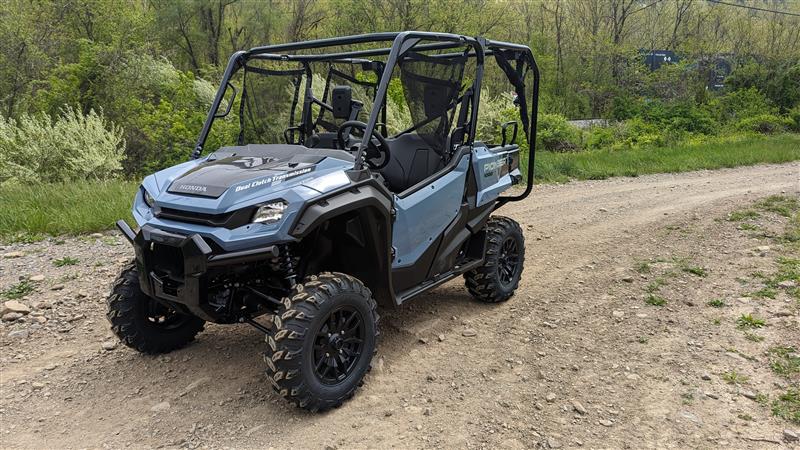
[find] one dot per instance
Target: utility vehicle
(353, 176)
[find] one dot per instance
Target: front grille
(229, 220)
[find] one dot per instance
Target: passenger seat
(412, 161)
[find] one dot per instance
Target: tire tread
(284, 354)
(482, 282)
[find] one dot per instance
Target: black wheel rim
(164, 317)
(338, 345)
(508, 261)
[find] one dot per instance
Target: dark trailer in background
(654, 59)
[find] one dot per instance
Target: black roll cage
(402, 42)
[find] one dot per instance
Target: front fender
(372, 205)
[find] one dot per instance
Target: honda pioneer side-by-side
(358, 175)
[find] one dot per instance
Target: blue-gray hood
(248, 167)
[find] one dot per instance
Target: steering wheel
(373, 150)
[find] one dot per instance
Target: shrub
(493, 112)
(740, 104)
(556, 134)
(600, 137)
(160, 108)
(794, 116)
(636, 132)
(679, 116)
(764, 123)
(688, 117)
(73, 146)
(625, 106)
(778, 81)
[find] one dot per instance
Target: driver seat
(343, 108)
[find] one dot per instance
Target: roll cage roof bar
(402, 42)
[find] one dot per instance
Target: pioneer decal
(274, 179)
(498, 166)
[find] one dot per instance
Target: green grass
(748, 227)
(65, 261)
(699, 271)
(788, 270)
(779, 204)
(748, 321)
(743, 214)
(716, 303)
(642, 267)
(784, 361)
(718, 153)
(766, 292)
(787, 406)
(734, 377)
(656, 284)
(655, 300)
(18, 290)
(31, 212)
(792, 233)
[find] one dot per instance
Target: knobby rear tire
(486, 283)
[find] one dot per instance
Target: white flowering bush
(74, 146)
(492, 113)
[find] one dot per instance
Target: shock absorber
(284, 264)
(289, 266)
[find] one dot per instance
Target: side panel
(424, 215)
(496, 170)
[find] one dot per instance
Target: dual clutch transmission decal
(275, 179)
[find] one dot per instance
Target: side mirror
(341, 102)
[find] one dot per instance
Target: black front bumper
(174, 267)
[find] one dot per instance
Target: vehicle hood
(251, 167)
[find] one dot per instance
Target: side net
(431, 87)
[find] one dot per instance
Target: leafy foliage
(74, 146)
(153, 67)
(555, 133)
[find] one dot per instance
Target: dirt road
(612, 340)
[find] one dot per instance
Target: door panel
(424, 215)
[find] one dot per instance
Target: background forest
(115, 89)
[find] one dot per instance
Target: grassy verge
(601, 164)
(28, 213)
(31, 212)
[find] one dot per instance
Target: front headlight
(269, 213)
(148, 199)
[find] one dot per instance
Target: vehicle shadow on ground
(225, 363)
(425, 317)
